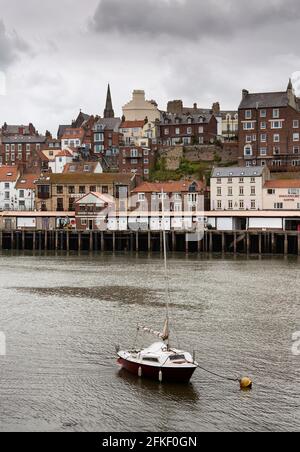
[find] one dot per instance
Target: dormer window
(190, 120)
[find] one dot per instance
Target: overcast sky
(58, 56)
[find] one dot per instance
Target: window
(276, 124)
(296, 162)
(271, 191)
(241, 180)
(295, 124)
(93, 188)
(254, 137)
(263, 138)
(146, 161)
(242, 205)
(7, 147)
(60, 204)
(248, 150)
(276, 138)
(230, 205)
(82, 190)
(104, 189)
(59, 189)
(166, 131)
(296, 150)
(296, 136)
(146, 171)
(219, 180)
(253, 204)
(20, 155)
(71, 190)
(276, 163)
(141, 197)
(7, 195)
(263, 113)
(6, 186)
(294, 191)
(28, 147)
(249, 125)
(201, 129)
(146, 152)
(22, 204)
(252, 180)
(253, 191)
(276, 150)
(248, 139)
(248, 114)
(21, 194)
(83, 222)
(241, 191)
(278, 205)
(263, 125)
(219, 191)
(177, 131)
(229, 180)
(276, 113)
(219, 204)
(134, 153)
(189, 130)
(263, 151)
(229, 191)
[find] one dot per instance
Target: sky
(57, 57)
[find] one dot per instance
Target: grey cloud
(192, 19)
(10, 47)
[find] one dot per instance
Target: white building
(16, 192)
(139, 108)
(238, 188)
(60, 161)
(283, 194)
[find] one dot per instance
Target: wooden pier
(237, 242)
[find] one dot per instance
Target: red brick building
(187, 128)
(136, 160)
(21, 150)
(269, 129)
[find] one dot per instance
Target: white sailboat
(160, 361)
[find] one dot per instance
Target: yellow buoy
(246, 383)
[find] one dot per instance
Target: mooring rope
(218, 375)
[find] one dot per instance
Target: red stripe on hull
(174, 375)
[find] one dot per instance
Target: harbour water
(63, 315)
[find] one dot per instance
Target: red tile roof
(167, 187)
(132, 124)
(283, 183)
(64, 153)
(71, 133)
(9, 173)
(26, 182)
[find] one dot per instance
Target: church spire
(290, 85)
(109, 111)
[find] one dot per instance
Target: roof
(183, 118)
(105, 198)
(73, 133)
(252, 171)
(90, 178)
(283, 183)
(26, 182)
(35, 139)
(110, 123)
(167, 187)
(15, 129)
(61, 129)
(265, 100)
(64, 153)
(132, 124)
(80, 167)
(9, 173)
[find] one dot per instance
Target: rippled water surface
(63, 316)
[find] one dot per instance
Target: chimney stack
(245, 93)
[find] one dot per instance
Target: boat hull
(173, 374)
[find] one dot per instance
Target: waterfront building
(283, 194)
(59, 192)
(17, 191)
(132, 132)
(106, 136)
(238, 188)
(21, 150)
(269, 129)
(180, 196)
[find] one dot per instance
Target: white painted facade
(139, 108)
(59, 162)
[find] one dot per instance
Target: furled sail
(164, 335)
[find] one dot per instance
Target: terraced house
(269, 129)
(59, 192)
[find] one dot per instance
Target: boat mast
(166, 268)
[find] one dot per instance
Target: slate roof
(265, 100)
(27, 139)
(252, 171)
(167, 187)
